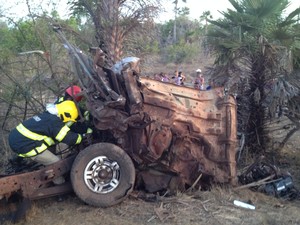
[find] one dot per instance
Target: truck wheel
(102, 175)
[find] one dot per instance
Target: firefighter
(33, 137)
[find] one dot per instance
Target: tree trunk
(255, 128)
(175, 23)
(109, 33)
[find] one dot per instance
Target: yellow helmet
(67, 111)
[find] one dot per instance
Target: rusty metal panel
(195, 130)
(35, 184)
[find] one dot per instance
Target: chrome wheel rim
(102, 175)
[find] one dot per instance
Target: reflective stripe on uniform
(62, 133)
(34, 136)
(89, 131)
(61, 99)
(79, 139)
(69, 123)
(35, 151)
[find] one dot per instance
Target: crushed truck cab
(176, 131)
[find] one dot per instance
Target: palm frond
(284, 90)
(236, 5)
(264, 8)
(294, 14)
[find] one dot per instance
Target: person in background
(165, 78)
(33, 137)
(157, 77)
(182, 77)
(174, 76)
(179, 79)
(210, 84)
(160, 76)
(199, 80)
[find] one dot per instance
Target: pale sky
(197, 7)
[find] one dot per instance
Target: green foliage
(152, 48)
(296, 54)
(32, 34)
(181, 53)
(187, 31)
(80, 8)
(141, 45)
(166, 30)
(185, 11)
(8, 42)
(251, 20)
(26, 36)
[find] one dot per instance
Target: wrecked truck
(148, 135)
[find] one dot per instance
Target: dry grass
(210, 207)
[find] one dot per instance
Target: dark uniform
(36, 134)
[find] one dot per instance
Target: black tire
(102, 175)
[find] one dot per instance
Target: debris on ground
(265, 177)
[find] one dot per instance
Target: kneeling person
(33, 137)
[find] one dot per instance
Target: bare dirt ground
(201, 207)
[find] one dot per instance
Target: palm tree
(252, 43)
(175, 20)
(205, 16)
(114, 20)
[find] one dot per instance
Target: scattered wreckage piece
(266, 178)
(243, 204)
(34, 184)
(190, 133)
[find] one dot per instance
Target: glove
(89, 131)
(86, 139)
